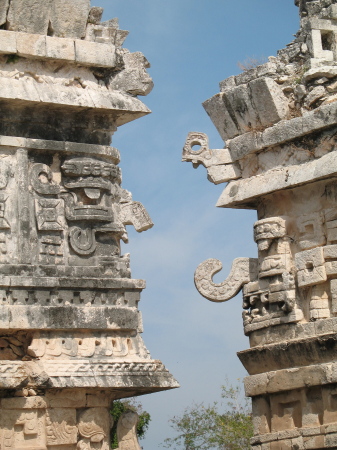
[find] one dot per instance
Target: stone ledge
(284, 131)
(106, 151)
(148, 376)
(70, 282)
(290, 379)
(282, 355)
(35, 317)
(123, 107)
(75, 51)
(245, 192)
(302, 438)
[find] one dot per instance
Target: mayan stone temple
(70, 339)
(279, 125)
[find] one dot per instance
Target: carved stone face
(89, 181)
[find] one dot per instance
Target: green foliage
(12, 58)
(224, 426)
(118, 408)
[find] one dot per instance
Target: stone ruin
(279, 124)
(70, 339)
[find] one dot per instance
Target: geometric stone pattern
(70, 327)
(278, 122)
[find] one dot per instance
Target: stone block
(223, 173)
(134, 78)
(24, 403)
(317, 48)
(3, 11)
(310, 267)
(67, 398)
(60, 49)
(281, 445)
(69, 19)
(30, 45)
(330, 441)
(269, 100)
(29, 17)
(222, 118)
(94, 54)
(228, 83)
(256, 384)
(313, 442)
(261, 415)
(7, 42)
(240, 102)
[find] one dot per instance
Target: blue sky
(192, 45)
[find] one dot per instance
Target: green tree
(224, 426)
(118, 408)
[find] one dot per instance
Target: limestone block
(95, 15)
(35, 402)
(329, 394)
(310, 267)
(269, 100)
(286, 410)
(319, 72)
(29, 16)
(3, 11)
(223, 119)
(126, 431)
(69, 19)
(240, 101)
(317, 48)
(313, 442)
(223, 173)
(60, 49)
(310, 229)
(244, 191)
(7, 42)
(333, 288)
(29, 45)
(330, 252)
(330, 441)
(67, 398)
(227, 83)
(94, 54)
(134, 78)
(283, 131)
(261, 415)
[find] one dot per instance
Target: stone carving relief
(53, 345)
(81, 205)
(61, 426)
(94, 428)
(126, 431)
(243, 271)
(23, 429)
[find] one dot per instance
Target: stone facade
(279, 124)
(70, 328)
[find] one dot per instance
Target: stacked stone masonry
(279, 124)
(70, 328)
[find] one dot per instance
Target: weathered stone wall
(279, 125)
(70, 328)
